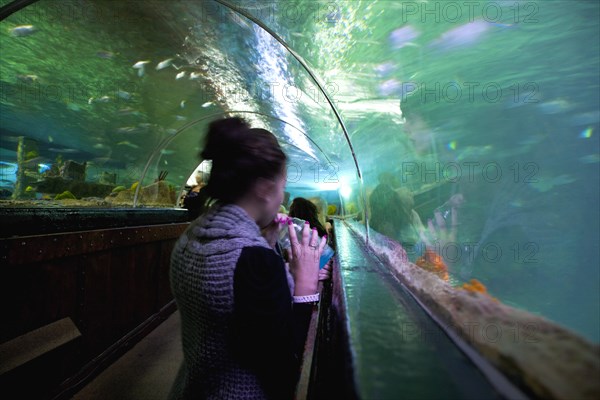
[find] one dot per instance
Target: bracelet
(313, 298)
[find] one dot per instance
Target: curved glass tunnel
(484, 116)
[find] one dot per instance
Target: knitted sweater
(229, 333)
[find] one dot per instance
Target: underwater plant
(65, 195)
(119, 189)
(162, 175)
(31, 155)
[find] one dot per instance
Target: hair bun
(223, 136)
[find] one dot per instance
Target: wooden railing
(73, 302)
(327, 370)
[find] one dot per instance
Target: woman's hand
(271, 231)
(304, 259)
(325, 272)
(444, 230)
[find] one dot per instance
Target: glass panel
(490, 110)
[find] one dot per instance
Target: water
(502, 107)
(386, 324)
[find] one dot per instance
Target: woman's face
(274, 199)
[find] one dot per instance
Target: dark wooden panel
(110, 282)
(29, 249)
(36, 295)
(164, 287)
(142, 291)
(96, 317)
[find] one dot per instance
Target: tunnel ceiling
(71, 84)
(421, 86)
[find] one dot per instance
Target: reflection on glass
(489, 122)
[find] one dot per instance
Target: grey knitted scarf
(202, 267)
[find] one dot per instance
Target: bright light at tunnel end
(345, 189)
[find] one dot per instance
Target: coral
(475, 286)
(64, 195)
(351, 208)
(432, 262)
(162, 176)
(31, 155)
(548, 360)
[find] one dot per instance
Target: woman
(243, 329)
(307, 210)
(393, 215)
(322, 207)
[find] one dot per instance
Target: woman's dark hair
(306, 210)
(388, 213)
(240, 155)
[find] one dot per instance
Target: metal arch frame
(11, 8)
(314, 77)
(17, 5)
(165, 142)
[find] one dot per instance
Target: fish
(103, 99)
(400, 37)
(590, 159)
(180, 75)
(531, 140)
(389, 87)
(586, 133)
(105, 54)
(124, 95)
(145, 125)
(129, 111)
(50, 139)
(586, 118)
(99, 146)
(385, 68)
(165, 152)
(141, 67)
(30, 78)
(475, 152)
(171, 131)
(68, 151)
(101, 160)
(195, 75)
(544, 184)
(128, 144)
(7, 138)
(23, 30)
(180, 118)
(128, 129)
(73, 107)
(207, 104)
(140, 64)
(182, 104)
(462, 35)
(555, 106)
(164, 64)
(43, 168)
